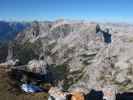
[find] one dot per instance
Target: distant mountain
(8, 30)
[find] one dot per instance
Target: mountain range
(74, 45)
(8, 30)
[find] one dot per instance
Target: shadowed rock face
(124, 96)
(94, 95)
(9, 30)
(91, 62)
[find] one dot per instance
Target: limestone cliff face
(91, 62)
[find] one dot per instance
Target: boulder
(57, 94)
(109, 92)
(77, 96)
(37, 66)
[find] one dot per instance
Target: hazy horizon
(90, 10)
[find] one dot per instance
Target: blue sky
(93, 10)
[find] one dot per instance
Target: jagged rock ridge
(91, 62)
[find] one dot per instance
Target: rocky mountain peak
(92, 61)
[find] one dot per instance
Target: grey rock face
(37, 66)
(91, 62)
